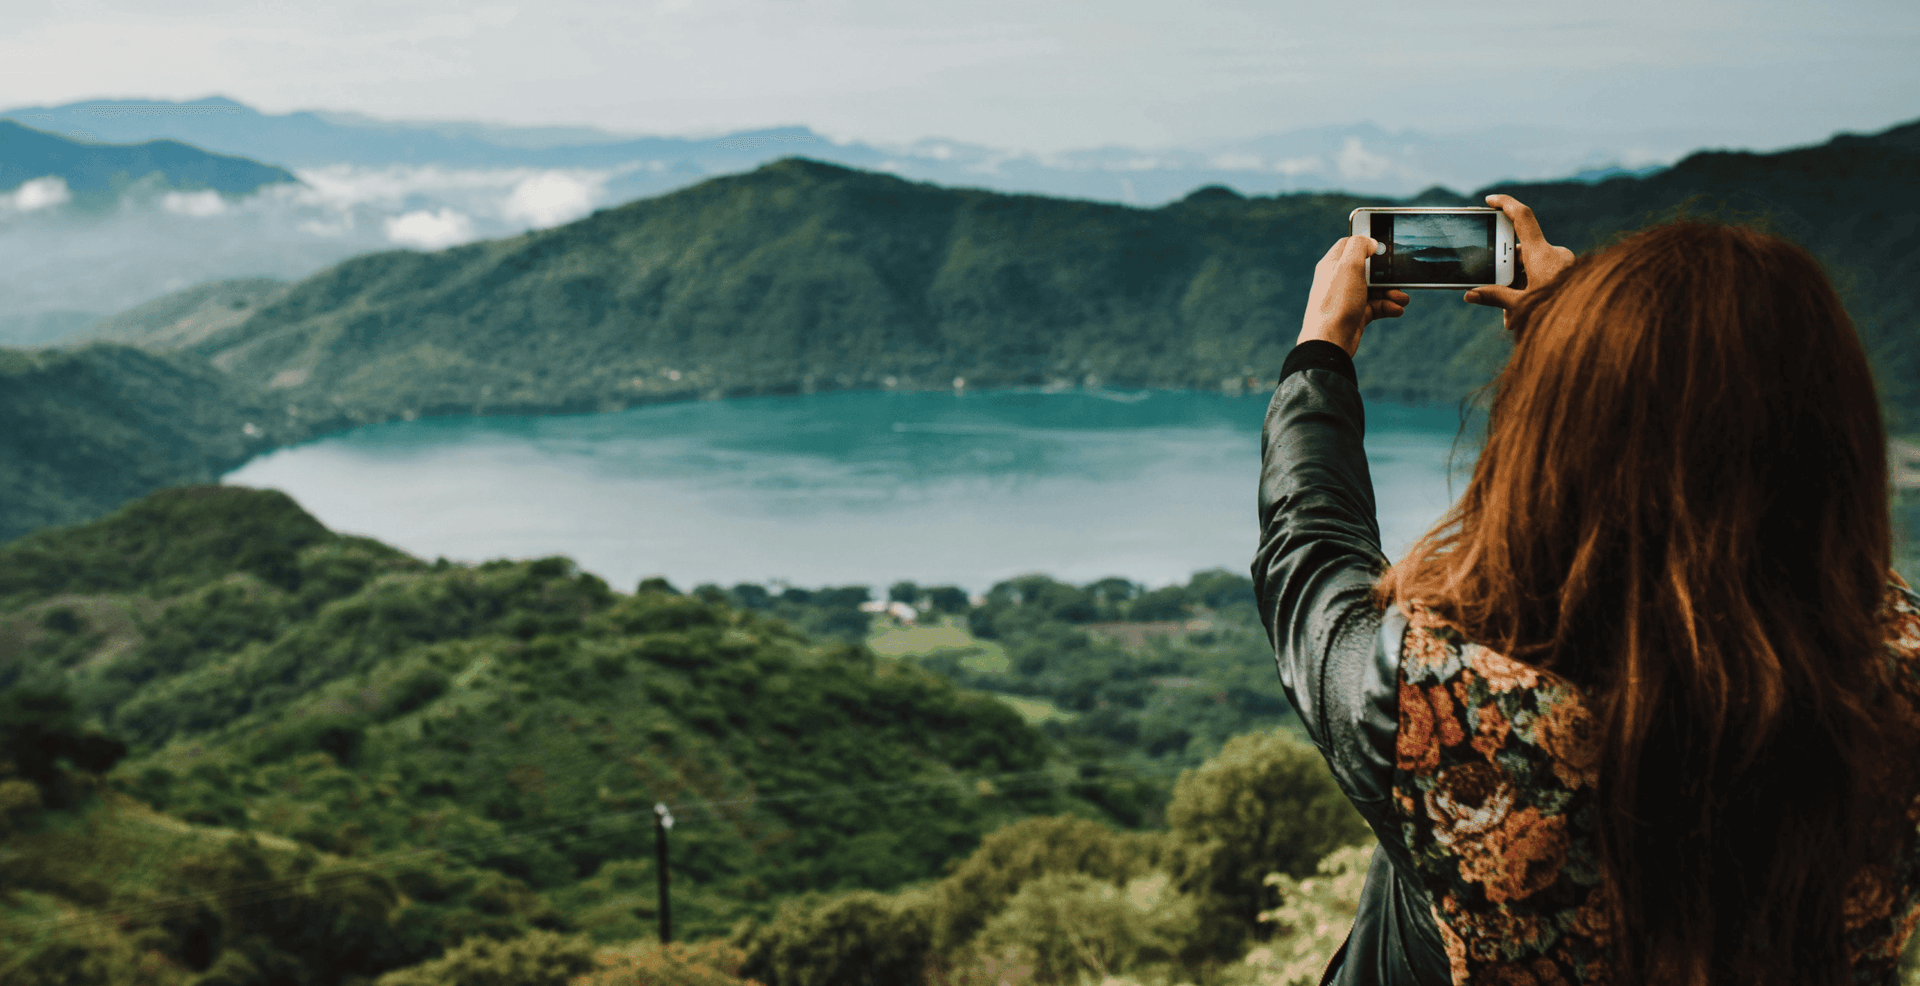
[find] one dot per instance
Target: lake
(862, 488)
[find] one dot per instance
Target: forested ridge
(239, 748)
(422, 756)
(803, 276)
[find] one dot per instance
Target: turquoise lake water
(850, 488)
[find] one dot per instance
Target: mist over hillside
(1361, 157)
(91, 176)
(366, 184)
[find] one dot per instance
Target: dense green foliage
(519, 717)
(1065, 926)
(981, 886)
(1133, 684)
(1266, 803)
(858, 938)
(41, 743)
(84, 431)
(112, 893)
(445, 753)
(804, 275)
(96, 888)
(538, 959)
(1049, 900)
(445, 773)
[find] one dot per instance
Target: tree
(845, 596)
(38, 730)
(903, 592)
(1218, 588)
(1166, 603)
(752, 596)
(270, 911)
(979, 887)
(1066, 925)
(1111, 592)
(541, 958)
(859, 938)
(1313, 918)
(948, 598)
(1267, 802)
(714, 962)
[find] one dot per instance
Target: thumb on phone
(1494, 296)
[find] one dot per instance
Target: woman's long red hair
(1682, 505)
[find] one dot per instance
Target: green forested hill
(348, 762)
(807, 276)
(520, 717)
(804, 276)
(84, 431)
(797, 277)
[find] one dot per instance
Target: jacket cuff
(1319, 354)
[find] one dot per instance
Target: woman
(1641, 709)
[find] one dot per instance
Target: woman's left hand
(1339, 306)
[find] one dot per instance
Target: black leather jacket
(1339, 658)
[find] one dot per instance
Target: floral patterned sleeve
(1496, 786)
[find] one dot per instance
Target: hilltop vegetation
(806, 276)
(107, 891)
(1138, 684)
(274, 676)
(84, 431)
(417, 755)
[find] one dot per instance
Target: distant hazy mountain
(98, 174)
(370, 185)
(1360, 158)
(43, 328)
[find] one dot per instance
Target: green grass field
(948, 636)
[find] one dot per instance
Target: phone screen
(1434, 248)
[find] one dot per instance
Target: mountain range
(366, 184)
(807, 276)
(1359, 157)
(97, 175)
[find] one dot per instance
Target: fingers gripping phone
(1470, 247)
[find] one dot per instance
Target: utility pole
(662, 821)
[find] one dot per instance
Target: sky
(1035, 77)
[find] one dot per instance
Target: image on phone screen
(1434, 248)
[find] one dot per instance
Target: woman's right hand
(1542, 260)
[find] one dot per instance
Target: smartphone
(1437, 248)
